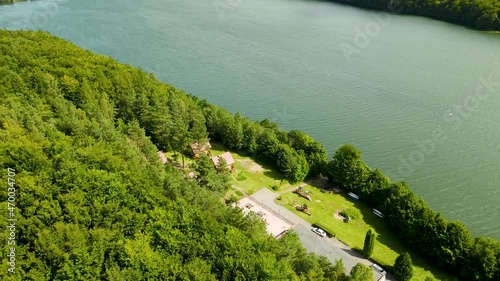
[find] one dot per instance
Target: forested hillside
(478, 14)
(79, 134)
(92, 199)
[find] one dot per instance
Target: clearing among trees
(250, 165)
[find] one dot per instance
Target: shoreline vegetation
(10, 1)
(447, 244)
(476, 14)
(85, 130)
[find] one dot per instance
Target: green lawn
(258, 175)
(387, 246)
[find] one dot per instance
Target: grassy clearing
(258, 175)
(249, 176)
(387, 245)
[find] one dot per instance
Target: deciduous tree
(361, 272)
(347, 169)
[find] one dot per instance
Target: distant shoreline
(484, 19)
(5, 2)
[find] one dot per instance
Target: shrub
(278, 198)
(239, 193)
(403, 267)
(232, 199)
(241, 176)
(369, 244)
(352, 213)
(361, 272)
(275, 187)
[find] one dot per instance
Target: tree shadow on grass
(355, 252)
(273, 174)
(417, 259)
(217, 146)
(367, 212)
(320, 183)
(389, 238)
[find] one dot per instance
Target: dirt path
(290, 189)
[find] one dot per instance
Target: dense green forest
(93, 200)
(446, 243)
(78, 152)
(478, 14)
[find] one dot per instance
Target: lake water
(420, 98)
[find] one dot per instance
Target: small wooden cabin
(227, 157)
(162, 156)
(197, 148)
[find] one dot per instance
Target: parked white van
(378, 268)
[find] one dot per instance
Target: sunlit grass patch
(325, 209)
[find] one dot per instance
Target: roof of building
(200, 147)
(162, 157)
(226, 155)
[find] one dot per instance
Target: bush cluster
(354, 214)
(241, 176)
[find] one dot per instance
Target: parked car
(319, 231)
(378, 268)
